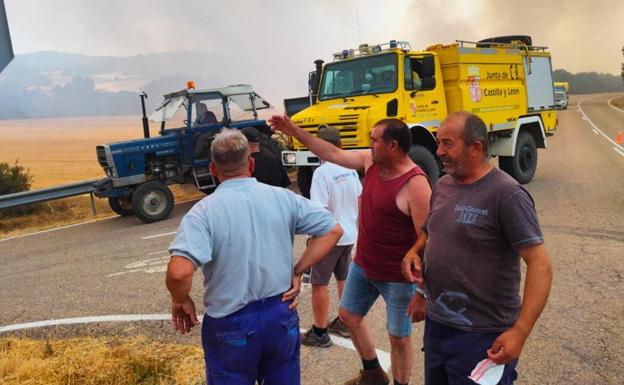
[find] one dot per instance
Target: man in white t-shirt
(337, 189)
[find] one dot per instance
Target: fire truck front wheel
(426, 161)
(121, 205)
(521, 166)
(304, 179)
(152, 201)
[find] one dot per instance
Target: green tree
(589, 82)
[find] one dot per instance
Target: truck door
(425, 99)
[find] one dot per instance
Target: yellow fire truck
(561, 95)
(505, 80)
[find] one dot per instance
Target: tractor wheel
(152, 201)
(121, 205)
(425, 160)
(521, 166)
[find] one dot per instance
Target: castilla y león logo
(473, 83)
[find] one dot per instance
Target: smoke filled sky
(277, 40)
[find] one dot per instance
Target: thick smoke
(272, 44)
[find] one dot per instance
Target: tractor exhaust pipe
(317, 80)
(146, 132)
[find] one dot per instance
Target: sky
(278, 40)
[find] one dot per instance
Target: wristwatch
(420, 291)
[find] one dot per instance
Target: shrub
(15, 179)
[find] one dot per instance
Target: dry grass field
(61, 151)
(99, 361)
(58, 151)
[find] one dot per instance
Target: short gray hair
(329, 134)
(230, 149)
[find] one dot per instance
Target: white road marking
(51, 230)
(149, 266)
(618, 151)
(86, 320)
(616, 146)
(158, 235)
(594, 131)
(614, 107)
(384, 357)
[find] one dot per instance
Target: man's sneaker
(310, 338)
(337, 327)
(370, 377)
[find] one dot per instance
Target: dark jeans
(259, 342)
(451, 355)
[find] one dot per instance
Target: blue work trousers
(259, 342)
(451, 354)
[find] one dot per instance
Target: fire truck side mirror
(311, 80)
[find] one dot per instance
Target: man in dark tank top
(481, 223)
(394, 205)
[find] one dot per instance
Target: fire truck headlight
(289, 159)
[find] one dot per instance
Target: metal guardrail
(48, 194)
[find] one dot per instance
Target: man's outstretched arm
(356, 160)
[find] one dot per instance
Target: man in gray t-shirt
(481, 222)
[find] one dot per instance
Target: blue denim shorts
(360, 294)
(259, 342)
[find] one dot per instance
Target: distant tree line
(76, 98)
(589, 82)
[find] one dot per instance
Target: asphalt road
(116, 266)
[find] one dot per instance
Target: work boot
(310, 338)
(337, 327)
(370, 377)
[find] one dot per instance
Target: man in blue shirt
(241, 236)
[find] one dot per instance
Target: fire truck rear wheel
(521, 166)
(152, 201)
(121, 205)
(425, 160)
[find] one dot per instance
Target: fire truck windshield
(361, 76)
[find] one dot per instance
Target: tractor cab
(198, 114)
(139, 171)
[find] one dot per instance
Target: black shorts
(336, 262)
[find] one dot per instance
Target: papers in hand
(487, 372)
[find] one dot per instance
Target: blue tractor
(139, 171)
